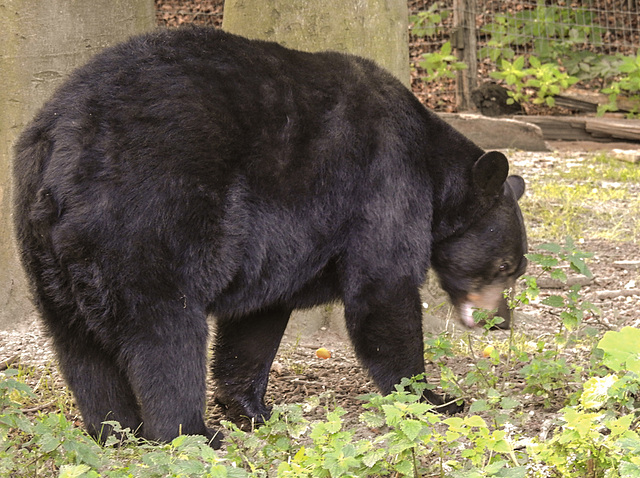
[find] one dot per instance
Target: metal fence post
(464, 41)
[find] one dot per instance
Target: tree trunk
(375, 29)
(40, 44)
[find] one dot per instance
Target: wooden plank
(614, 128)
(584, 128)
(588, 101)
(576, 104)
(565, 128)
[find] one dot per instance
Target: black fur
(193, 172)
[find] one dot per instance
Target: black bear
(192, 172)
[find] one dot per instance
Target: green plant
(29, 447)
(628, 83)
(598, 437)
(549, 263)
(441, 64)
(547, 375)
(549, 372)
(438, 346)
(596, 434)
(49, 444)
(513, 74)
(591, 66)
(559, 35)
(428, 23)
(554, 30)
(546, 79)
(420, 440)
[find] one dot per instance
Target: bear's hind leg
(100, 387)
(244, 350)
(165, 356)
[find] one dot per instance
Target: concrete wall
(41, 42)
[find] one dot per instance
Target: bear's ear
(490, 172)
(516, 183)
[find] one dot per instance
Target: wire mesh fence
(583, 37)
(550, 28)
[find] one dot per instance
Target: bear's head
(477, 265)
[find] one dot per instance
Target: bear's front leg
(244, 350)
(384, 322)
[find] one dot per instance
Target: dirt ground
(298, 374)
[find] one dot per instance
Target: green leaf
(475, 421)
(554, 301)
(578, 265)
(551, 247)
(455, 423)
(479, 406)
(622, 348)
(620, 425)
(411, 428)
(542, 259)
(518, 64)
(508, 403)
(76, 471)
(372, 419)
(630, 470)
(370, 459)
(419, 408)
(392, 414)
(517, 472)
(558, 274)
(405, 467)
(48, 443)
(630, 443)
(87, 451)
(595, 391)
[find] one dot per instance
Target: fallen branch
(9, 362)
(546, 283)
(612, 294)
(39, 407)
(627, 264)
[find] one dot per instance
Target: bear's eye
(504, 267)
